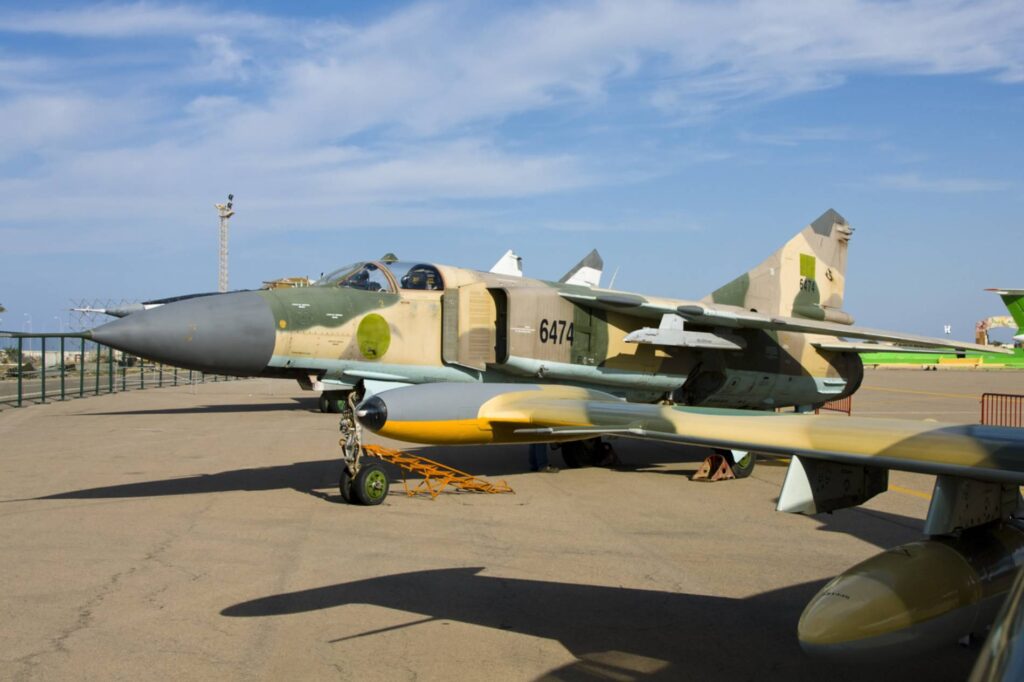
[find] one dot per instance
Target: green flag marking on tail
(807, 264)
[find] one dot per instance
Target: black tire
(345, 484)
(370, 485)
(333, 402)
(742, 468)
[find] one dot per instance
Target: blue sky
(684, 140)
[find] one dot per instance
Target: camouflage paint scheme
(486, 327)
(770, 338)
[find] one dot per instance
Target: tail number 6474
(555, 331)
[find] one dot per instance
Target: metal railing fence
(41, 368)
(1002, 409)
(844, 405)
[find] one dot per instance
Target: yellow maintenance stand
(367, 483)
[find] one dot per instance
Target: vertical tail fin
(1013, 299)
(805, 278)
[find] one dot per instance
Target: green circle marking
(374, 336)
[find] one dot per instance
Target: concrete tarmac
(197, 532)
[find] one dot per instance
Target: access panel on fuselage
(541, 324)
(468, 322)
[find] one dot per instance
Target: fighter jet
(904, 601)
(1014, 301)
(772, 337)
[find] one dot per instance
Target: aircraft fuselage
(476, 327)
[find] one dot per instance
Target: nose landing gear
(359, 483)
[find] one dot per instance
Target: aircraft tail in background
(1013, 299)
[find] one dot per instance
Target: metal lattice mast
(225, 212)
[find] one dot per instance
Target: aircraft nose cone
(223, 334)
(372, 413)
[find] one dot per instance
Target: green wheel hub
(375, 485)
(744, 466)
(370, 485)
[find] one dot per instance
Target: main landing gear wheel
(332, 402)
(742, 467)
(370, 486)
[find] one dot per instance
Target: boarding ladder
(436, 476)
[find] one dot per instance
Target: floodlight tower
(224, 211)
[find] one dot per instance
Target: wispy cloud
(796, 136)
(132, 20)
(420, 105)
(915, 183)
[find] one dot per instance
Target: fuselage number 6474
(555, 331)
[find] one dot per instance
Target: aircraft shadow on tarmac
(301, 476)
(504, 460)
(881, 529)
(308, 404)
(616, 633)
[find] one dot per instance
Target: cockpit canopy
(387, 278)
